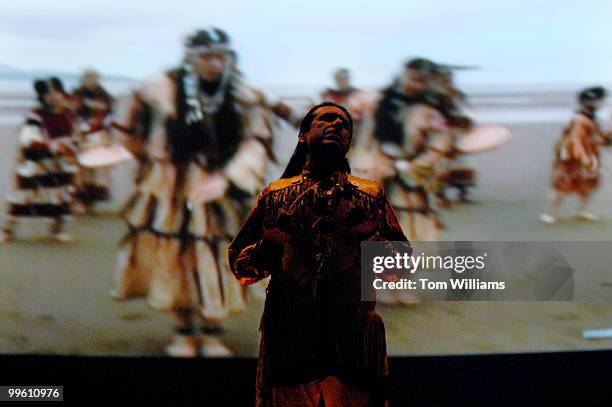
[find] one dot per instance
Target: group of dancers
(48, 180)
(203, 141)
(406, 138)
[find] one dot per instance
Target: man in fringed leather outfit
(318, 339)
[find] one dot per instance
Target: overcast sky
(301, 42)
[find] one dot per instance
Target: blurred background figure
(45, 170)
(577, 163)
(345, 94)
(93, 106)
(419, 124)
(401, 119)
(418, 136)
(448, 100)
(399, 122)
(356, 101)
(92, 102)
(203, 140)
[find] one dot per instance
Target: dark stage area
(519, 379)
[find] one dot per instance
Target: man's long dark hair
(43, 86)
(298, 158)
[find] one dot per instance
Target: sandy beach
(53, 297)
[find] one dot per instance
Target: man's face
(594, 104)
(209, 66)
(414, 81)
(597, 104)
(91, 80)
(342, 79)
(329, 131)
(443, 82)
(55, 98)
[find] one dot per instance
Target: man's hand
(436, 121)
(62, 147)
(268, 252)
(95, 104)
(282, 110)
(209, 189)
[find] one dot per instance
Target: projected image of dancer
(202, 139)
(93, 106)
(577, 165)
(45, 172)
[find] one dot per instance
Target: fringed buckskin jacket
(314, 323)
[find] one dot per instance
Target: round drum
(104, 156)
(482, 138)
